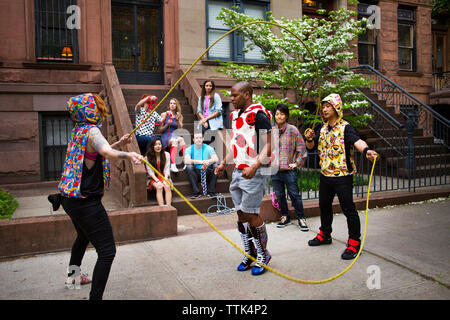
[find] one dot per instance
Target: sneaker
(173, 168)
(352, 250)
(320, 239)
(212, 195)
(257, 269)
(285, 221)
(246, 263)
(195, 196)
(302, 224)
(84, 279)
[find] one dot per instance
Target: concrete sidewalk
(407, 246)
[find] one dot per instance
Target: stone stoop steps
(132, 95)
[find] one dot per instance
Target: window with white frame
(233, 47)
(406, 41)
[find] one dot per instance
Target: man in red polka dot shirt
(250, 148)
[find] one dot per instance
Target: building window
(56, 39)
(232, 47)
(406, 39)
(367, 42)
(55, 132)
(310, 7)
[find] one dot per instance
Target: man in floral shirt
(292, 155)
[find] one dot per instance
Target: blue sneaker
(245, 264)
(258, 270)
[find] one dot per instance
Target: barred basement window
(55, 132)
(56, 39)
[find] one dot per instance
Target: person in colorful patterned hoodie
(85, 176)
(335, 144)
(250, 124)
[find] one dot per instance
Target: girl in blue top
(209, 109)
(172, 120)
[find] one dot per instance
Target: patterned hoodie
(331, 146)
(84, 113)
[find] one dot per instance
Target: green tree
(291, 67)
(441, 11)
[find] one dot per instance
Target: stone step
(135, 97)
(185, 188)
(418, 140)
(418, 150)
(182, 176)
(202, 204)
(187, 118)
(365, 133)
(425, 171)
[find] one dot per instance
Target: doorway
(137, 41)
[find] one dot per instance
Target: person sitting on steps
(201, 161)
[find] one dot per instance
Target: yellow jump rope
(315, 120)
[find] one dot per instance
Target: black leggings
(92, 225)
(343, 188)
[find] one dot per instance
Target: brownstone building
(54, 49)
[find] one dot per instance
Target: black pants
(194, 176)
(343, 188)
(92, 225)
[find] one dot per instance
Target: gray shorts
(247, 194)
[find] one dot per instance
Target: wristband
(309, 140)
(365, 151)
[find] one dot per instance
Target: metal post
(410, 162)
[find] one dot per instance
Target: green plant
(310, 180)
(7, 205)
(290, 66)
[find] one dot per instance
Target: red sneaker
(320, 239)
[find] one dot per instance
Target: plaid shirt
(292, 146)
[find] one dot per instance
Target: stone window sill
(56, 66)
(217, 63)
(410, 73)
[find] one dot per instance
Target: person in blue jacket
(209, 109)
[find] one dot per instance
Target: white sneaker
(74, 283)
(173, 168)
(302, 224)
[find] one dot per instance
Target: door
(439, 52)
(137, 36)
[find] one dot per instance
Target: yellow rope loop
(214, 43)
(315, 120)
(252, 258)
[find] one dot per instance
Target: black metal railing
(382, 124)
(431, 168)
(441, 80)
(403, 164)
(433, 123)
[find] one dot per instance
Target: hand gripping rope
(315, 120)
